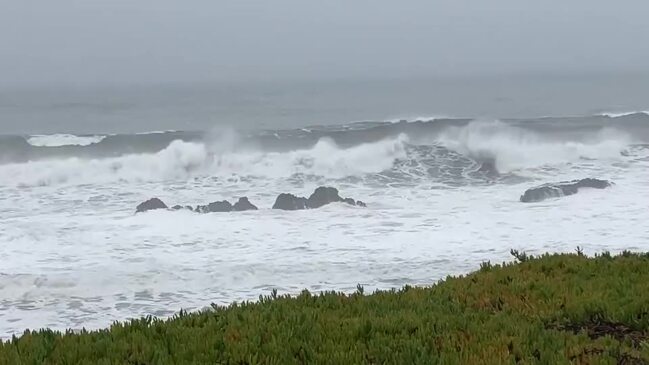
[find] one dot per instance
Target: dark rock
(290, 202)
(151, 204)
(564, 188)
(361, 204)
(180, 207)
(323, 196)
(216, 207)
(243, 204)
(349, 201)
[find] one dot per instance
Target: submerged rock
(560, 189)
(290, 202)
(151, 204)
(325, 195)
(488, 167)
(243, 204)
(321, 196)
(180, 207)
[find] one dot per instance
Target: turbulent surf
(442, 195)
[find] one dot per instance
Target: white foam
(514, 148)
(57, 140)
(411, 119)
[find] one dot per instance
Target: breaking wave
(182, 160)
(441, 150)
(58, 140)
(623, 114)
(513, 148)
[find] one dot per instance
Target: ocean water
(73, 168)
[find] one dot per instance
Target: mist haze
(78, 42)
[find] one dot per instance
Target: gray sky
(147, 41)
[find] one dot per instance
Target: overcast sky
(150, 41)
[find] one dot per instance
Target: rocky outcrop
(321, 196)
(560, 189)
(151, 204)
(243, 204)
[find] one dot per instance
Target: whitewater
(74, 254)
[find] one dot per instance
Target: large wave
(182, 160)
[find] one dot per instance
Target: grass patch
(550, 309)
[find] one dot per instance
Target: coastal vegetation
(550, 309)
